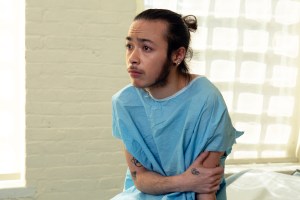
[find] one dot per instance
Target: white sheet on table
(262, 185)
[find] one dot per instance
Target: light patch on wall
(253, 131)
(255, 41)
(284, 76)
(263, 12)
(287, 12)
(252, 72)
(281, 106)
(286, 45)
(227, 9)
(199, 7)
(250, 103)
(225, 39)
(222, 71)
(277, 134)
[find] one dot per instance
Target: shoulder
(204, 88)
(126, 95)
(208, 96)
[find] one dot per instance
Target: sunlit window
(12, 93)
(250, 50)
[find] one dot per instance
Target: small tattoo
(133, 175)
(136, 162)
(195, 171)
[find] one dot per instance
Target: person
(174, 125)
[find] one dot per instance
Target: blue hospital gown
(166, 135)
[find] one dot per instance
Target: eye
(146, 48)
(128, 46)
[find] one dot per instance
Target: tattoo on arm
(194, 171)
(136, 162)
(133, 175)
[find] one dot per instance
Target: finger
(200, 159)
(218, 171)
(211, 188)
(217, 181)
(215, 188)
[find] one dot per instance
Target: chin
(137, 84)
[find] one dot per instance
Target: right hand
(202, 180)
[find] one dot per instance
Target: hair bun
(191, 22)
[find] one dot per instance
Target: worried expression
(146, 53)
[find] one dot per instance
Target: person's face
(146, 54)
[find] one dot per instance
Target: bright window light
(287, 45)
(228, 8)
(250, 49)
(8, 85)
(199, 7)
(273, 154)
(287, 12)
(197, 67)
(253, 72)
(281, 106)
(278, 134)
(284, 76)
(253, 129)
(225, 39)
(262, 12)
(228, 98)
(199, 39)
(12, 93)
(250, 103)
(222, 71)
(7, 40)
(256, 41)
(245, 154)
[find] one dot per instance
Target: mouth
(134, 73)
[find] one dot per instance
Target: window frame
(293, 148)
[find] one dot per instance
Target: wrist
(182, 183)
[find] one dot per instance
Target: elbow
(138, 182)
(147, 189)
(213, 160)
(138, 185)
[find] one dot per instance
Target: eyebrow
(140, 40)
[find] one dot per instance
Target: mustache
(133, 68)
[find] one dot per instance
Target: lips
(134, 73)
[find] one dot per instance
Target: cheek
(153, 63)
(126, 57)
(156, 69)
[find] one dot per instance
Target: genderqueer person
(174, 125)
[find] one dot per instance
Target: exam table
(262, 185)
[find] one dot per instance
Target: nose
(133, 57)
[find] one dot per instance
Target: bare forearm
(206, 196)
(210, 162)
(151, 182)
(155, 184)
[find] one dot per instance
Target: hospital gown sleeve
(220, 131)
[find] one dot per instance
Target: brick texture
(74, 64)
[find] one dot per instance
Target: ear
(178, 55)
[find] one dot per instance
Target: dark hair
(178, 34)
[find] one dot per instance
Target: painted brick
(74, 64)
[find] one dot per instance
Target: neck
(175, 82)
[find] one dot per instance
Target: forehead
(153, 30)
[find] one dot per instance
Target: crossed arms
(197, 178)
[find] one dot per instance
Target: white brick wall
(74, 64)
